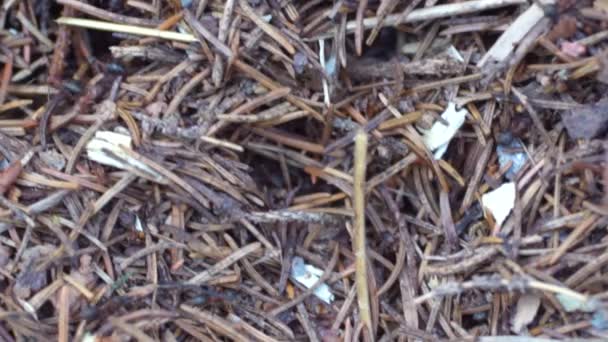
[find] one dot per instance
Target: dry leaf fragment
(573, 49)
(300, 61)
(30, 279)
(565, 28)
(9, 175)
(527, 307)
(53, 158)
(155, 109)
(587, 122)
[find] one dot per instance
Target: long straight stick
(359, 247)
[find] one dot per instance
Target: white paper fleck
(572, 303)
(88, 337)
(138, 226)
(106, 148)
(29, 308)
(308, 275)
(327, 70)
(500, 202)
(438, 137)
(106, 140)
(527, 308)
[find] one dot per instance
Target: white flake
(107, 148)
(138, 226)
(110, 141)
(453, 52)
(308, 275)
(438, 137)
(500, 202)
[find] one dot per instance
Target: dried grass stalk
(359, 240)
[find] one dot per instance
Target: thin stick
(105, 15)
(385, 8)
(135, 30)
(217, 72)
(222, 143)
(84, 139)
(80, 287)
(359, 243)
(254, 103)
(206, 35)
(214, 322)
(269, 29)
(7, 71)
(445, 82)
(304, 319)
(515, 283)
(168, 175)
(359, 26)
(99, 204)
(534, 115)
(481, 255)
(583, 228)
(130, 330)
(161, 246)
(181, 94)
(429, 13)
(271, 84)
(64, 314)
(289, 141)
(235, 256)
(391, 171)
(41, 180)
(392, 278)
(34, 31)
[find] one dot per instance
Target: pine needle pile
(291, 170)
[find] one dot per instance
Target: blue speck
(600, 320)
(513, 152)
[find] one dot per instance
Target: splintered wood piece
(506, 43)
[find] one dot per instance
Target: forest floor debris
(263, 170)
